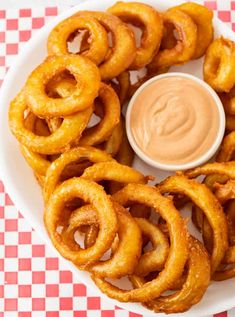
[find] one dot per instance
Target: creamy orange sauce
(174, 120)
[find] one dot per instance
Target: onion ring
(90, 236)
(36, 161)
(228, 101)
(168, 38)
(114, 171)
(125, 258)
(197, 215)
(202, 17)
(58, 37)
(53, 173)
(102, 131)
(121, 56)
(207, 202)
(224, 193)
(84, 72)
(70, 129)
(153, 260)
(227, 148)
(219, 63)
(39, 163)
(224, 169)
(193, 289)
(60, 86)
(149, 20)
(125, 155)
(122, 86)
(176, 259)
(185, 45)
(113, 144)
(92, 193)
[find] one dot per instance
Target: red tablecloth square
(25, 290)
(11, 277)
(52, 263)
(52, 290)
(10, 304)
(25, 264)
(25, 13)
(225, 16)
(38, 250)
(66, 303)
(93, 303)
(38, 277)
(38, 304)
(12, 24)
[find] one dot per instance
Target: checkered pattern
(34, 283)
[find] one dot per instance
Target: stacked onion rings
(100, 213)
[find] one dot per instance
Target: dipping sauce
(174, 120)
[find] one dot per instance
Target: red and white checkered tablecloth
(33, 282)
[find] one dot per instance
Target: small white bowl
(173, 167)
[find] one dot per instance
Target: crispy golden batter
(98, 47)
(219, 65)
(149, 21)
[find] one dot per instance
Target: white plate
(24, 190)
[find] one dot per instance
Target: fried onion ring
(153, 260)
(58, 37)
(197, 215)
(39, 163)
(194, 287)
(90, 236)
(121, 56)
(122, 86)
(225, 193)
(207, 202)
(224, 169)
(84, 72)
(202, 17)
(228, 101)
(179, 240)
(69, 131)
(219, 64)
(103, 130)
(91, 193)
(36, 161)
(149, 20)
(115, 172)
(227, 148)
(125, 155)
(113, 144)
(54, 172)
(125, 257)
(185, 45)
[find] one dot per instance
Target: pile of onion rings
(69, 121)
